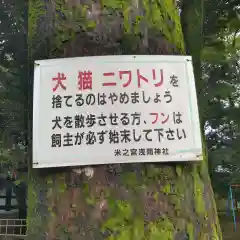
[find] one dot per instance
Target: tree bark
(122, 201)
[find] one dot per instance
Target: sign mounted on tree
(115, 109)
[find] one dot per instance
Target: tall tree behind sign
(132, 201)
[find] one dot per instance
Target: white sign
(115, 109)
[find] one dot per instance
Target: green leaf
(210, 54)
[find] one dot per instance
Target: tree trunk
(121, 201)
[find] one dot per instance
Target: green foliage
(218, 15)
(213, 55)
(220, 89)
(13, 56)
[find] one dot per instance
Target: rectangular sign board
(115, 109)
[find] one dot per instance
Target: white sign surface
(115, 109)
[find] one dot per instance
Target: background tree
(13, 59)
(220, 66)
(177, 198)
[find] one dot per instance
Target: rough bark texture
(123, 201)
